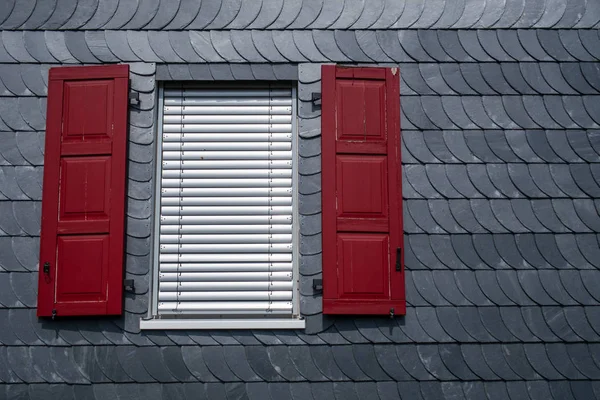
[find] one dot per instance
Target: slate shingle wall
(501, 185)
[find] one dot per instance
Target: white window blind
(226, 200)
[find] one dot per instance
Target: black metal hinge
(399, 259)
(129, 285)
(318, 284)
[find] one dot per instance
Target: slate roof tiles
(314, 14)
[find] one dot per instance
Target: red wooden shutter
(83, 200)
(363, 268)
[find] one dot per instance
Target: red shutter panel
(361, 192)
(83, 199)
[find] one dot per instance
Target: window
(225, 252)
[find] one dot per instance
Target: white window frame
(154, 320)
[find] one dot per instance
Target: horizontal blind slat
(228, 183)
(226, 248)
(225, 257)
(217, 192)
(278, 295)
(183, 200)
(227, 128)
(227, 155)
(227, 173)
(235, 277)
(227, 101)
(227, 119)
(226, 219)
(233, 307)
(225, 210)
(225, 267)
(227, 110)
(240, 238)
(229, 92)
(229, 137)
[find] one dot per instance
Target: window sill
(169, 324)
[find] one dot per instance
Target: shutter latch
(392, 313)
(53, 314)
(47, 268)
(399, 259)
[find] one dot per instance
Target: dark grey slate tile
(19, 324)
(576, 109)
(531, 283)
(411, 44)
(411, 361)
(421, 214)
(447, 287)
(194, 361)
(348, 45)
(390, 363)
(544, 211)
(481, 180)
(99, 364)
(474, 358)
(493, 322)
(258, 359)
(556, 109)
(331, 336)
(509, 251)
(453, 359)
(578, 322)
(542, 77)
(580, 356)
(494, 356)
(557, 353)
(488, 282)
(536, 323)
(450, 322)
(552, 284)
(417, 179)
(412, 328)
(588, 247)
(282, 361)
(435, 141)
(432, 12)
(500, 178)
(345, 360)
(565, 211)
(573, 284)
(202, 45)
(305, 364)
(458, 177)
(430, 323)
(524, 213)
(237, 362)
(463, 247)
(431, 44)
(510, 285)
(215, 361)
(530, 42)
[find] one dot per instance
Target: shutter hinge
(399, 259)
(317, 284)
(315, 99)
(53, 314)
(129, 285)
(134, 98)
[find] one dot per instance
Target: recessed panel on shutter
(226, 193)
